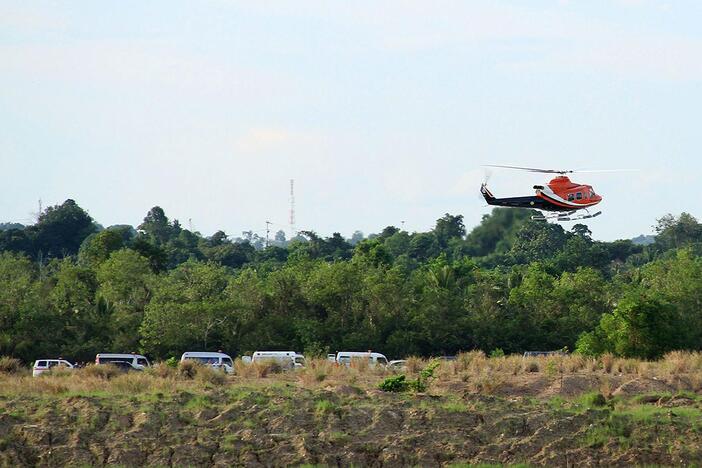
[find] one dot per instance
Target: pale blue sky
(381, 111)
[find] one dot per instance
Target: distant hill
(644, 240)
(8, 226)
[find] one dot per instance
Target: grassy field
(476, 410)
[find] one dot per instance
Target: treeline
(70, 288)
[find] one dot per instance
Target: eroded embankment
(284, 424)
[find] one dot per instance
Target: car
(397, 365)
(124, 366)
(137, 360)
(544, 353)
(347, 357)
(447, 358)
(216, 360)
(287, 359)
(42, 366)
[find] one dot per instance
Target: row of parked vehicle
(218, 360)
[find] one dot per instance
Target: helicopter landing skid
(566, 216)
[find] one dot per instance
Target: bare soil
(532, 419)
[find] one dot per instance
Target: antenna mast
(268, 230)
(292, 209)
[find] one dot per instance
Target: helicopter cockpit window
(571, 197)
(579, 196)
(592, 193)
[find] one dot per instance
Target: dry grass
(607, 362)
(10, 365)
(103, 371)
(471, 371)
(414, 364)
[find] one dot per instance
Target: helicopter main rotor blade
(555, 171)
(530, 169)
(592, 171)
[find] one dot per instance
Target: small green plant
(425, 376)
(497, 353)
(172, 362)
(454, 407)
(324, 407)
(551, 369)
(397, 383)
(595, 400)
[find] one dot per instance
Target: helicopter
(559, 200)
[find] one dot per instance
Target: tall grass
(9, 365)
(472, 371)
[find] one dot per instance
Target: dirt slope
(283, 424)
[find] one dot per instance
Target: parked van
(216, 360)
(136, 360)
(46, 365)
(287, 359)
(347, 357)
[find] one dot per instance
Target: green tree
(124, 287)
(189, 310)
(641, 326)
(449, 227)
(61, 229)
(97, 248)
(157, 226)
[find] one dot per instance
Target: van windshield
(227, 361)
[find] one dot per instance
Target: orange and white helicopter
(559, 200)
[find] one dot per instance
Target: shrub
(497, 353)
(399, 383)
(264, 368)
(188, 369)
(474, 359)
(360, 364)
(487, 382)
(103, 371)
(243, 369)
(209, 375)
(395, 384)
(414, 364)
(607, 361)
(131, 383)
(425, 375)
(9, 365)
(162, 370)
(532, 366)
(172, 362)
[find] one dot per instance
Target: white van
(46, 365)
(217, 360)
(374, 359)
(287, 359)
(136, 360)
